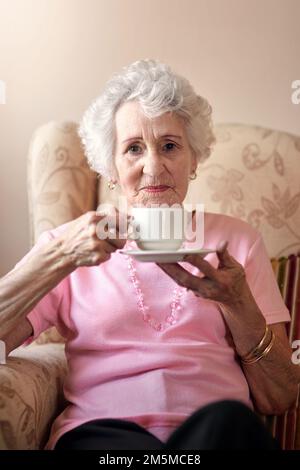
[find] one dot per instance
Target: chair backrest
(60, 184)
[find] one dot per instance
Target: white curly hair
(158, 90)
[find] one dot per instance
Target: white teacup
(158, 228)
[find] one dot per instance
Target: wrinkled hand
(227, 284)
(81, 245)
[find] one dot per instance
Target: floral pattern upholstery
(31, 395)
(60, 184)
(253, 174)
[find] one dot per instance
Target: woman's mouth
(156, 189)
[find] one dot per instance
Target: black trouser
(220, 425)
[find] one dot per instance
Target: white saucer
(164, 256)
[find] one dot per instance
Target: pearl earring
(111, 184)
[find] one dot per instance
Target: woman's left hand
(227, 284)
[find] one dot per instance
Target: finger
(109, 246)
(122, 222)
(201, 287)
(122, 219)
(222, 245)
(112, 228)
(116, 239)
(180, 275)
(203, 265)
(223, 255)
(204, 289)
(114, 217)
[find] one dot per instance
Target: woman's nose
(153, 165)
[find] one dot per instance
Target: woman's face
(152, 156)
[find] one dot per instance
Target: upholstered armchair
(253, 174)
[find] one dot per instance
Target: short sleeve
(263, 284)
(53, 308)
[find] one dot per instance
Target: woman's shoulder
(238, 232)
(228, 222)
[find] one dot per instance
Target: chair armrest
(31, 395)
(286, 427)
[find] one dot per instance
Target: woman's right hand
(81, 245)
(23, 287)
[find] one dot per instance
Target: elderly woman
(172, 356)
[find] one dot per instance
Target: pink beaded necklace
(175, 307)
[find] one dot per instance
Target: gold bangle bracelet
(257, 348)
(263, 353)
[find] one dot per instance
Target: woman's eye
(137, 149)
(170, 146)
(134, 149)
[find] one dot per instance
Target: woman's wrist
(246, 324)
(22, 288)
(261, 350)
(55, 259)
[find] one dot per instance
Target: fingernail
(222, 245)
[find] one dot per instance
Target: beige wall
(55, 55)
